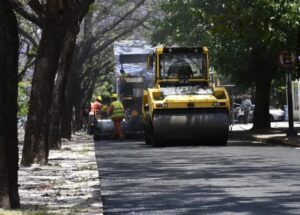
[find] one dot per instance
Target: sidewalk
(275, 135)
(68, 185)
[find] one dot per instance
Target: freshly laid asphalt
(252, 178)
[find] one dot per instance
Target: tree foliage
(232, 29)
(106, 22)
(245, 38)
(23, 98)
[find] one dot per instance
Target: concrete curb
(287, 141)
(269, 138)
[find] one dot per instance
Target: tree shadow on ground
(147, 180)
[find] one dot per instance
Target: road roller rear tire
(221, 142)
(155, 142)
(147, 138)
(148, 128)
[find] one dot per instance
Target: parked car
(239, 115)
(276, 114)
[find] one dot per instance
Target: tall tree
(62, 74)
(54, 18)
(108, 22)
(251, 32)
(9, 45)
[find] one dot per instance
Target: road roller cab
(183, 104)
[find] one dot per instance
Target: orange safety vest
(95, 108)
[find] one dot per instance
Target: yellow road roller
(182, 105)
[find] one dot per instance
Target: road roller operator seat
(180, 69)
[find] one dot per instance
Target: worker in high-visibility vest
(95, 112)
(104, 111)
(117, 115)
(96, 107)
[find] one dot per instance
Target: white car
(276, 114)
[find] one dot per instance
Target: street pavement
(251, 175)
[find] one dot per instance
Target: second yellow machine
(183, 104)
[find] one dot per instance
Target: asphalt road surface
(241, 178)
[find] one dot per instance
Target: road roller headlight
(219, 104)
(161, 105)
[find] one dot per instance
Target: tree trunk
(9, 47)
(66, 113)
(78, 9)
(72, 102)
(66, 117)
(35, 143)
(261, 118)
(59, 88)
(55, 19)
(77, 105)
(298, 50)
(264, 63)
